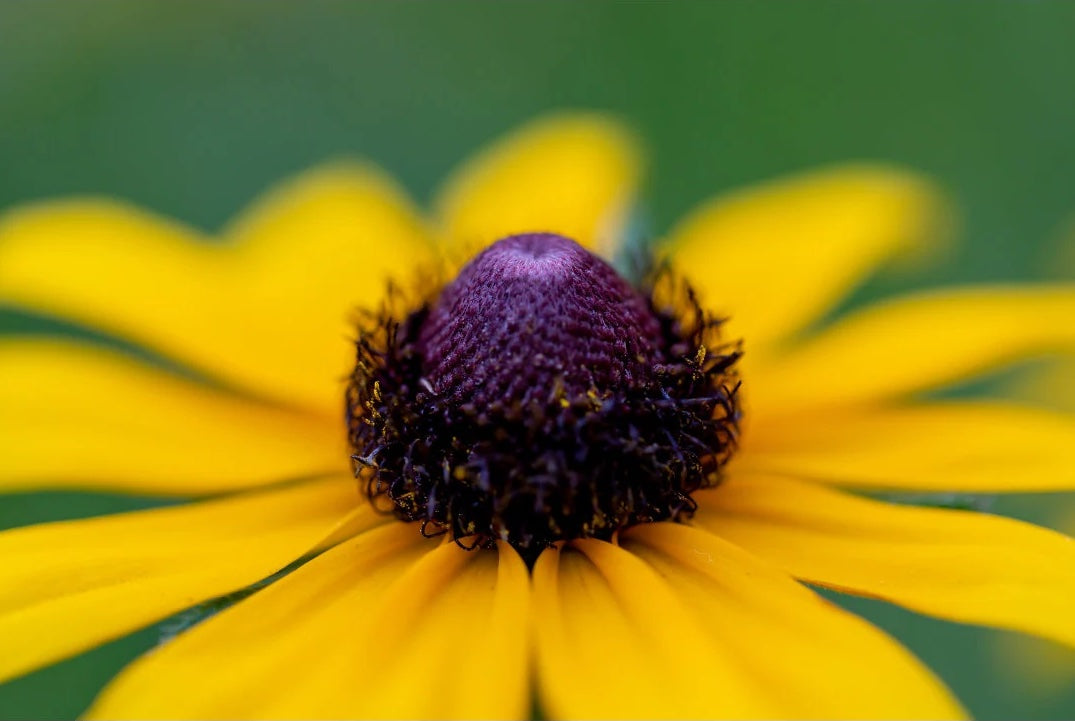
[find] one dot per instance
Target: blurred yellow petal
(776, 257)
(81, 416)
(572, 174)
(679, 624)
(1050, 384)
(957, 565)
(1033, 666)
(387, 625)
(67, 587)
(949, 446)
(915, 343)
(268, 310)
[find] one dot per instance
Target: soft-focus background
(191, 109)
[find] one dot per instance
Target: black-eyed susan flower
(645, 471)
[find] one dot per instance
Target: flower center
(541, 397)
(534, 312)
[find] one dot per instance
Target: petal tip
(504, 187)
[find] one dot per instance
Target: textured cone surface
(531, 313)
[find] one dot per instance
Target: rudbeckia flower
(608, 498)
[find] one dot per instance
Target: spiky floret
(541, 397)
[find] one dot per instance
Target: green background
(192, 109)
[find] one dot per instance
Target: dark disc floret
(541, 397)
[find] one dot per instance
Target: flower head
(541, 398)
(640, 522)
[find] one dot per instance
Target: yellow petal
(679, 624)
(1050, 384)
(949, 446)
(1033, 667)
(268, 309)
(81, 416)
(916, 343)
(67, 587)
(957, 565)
(776, 257)
(572, 174)
(613, 640)
(387, 625)
(756, 609)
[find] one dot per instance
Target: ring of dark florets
(562, 467)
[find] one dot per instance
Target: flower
(235, 394)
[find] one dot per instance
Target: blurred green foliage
(193, 108)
